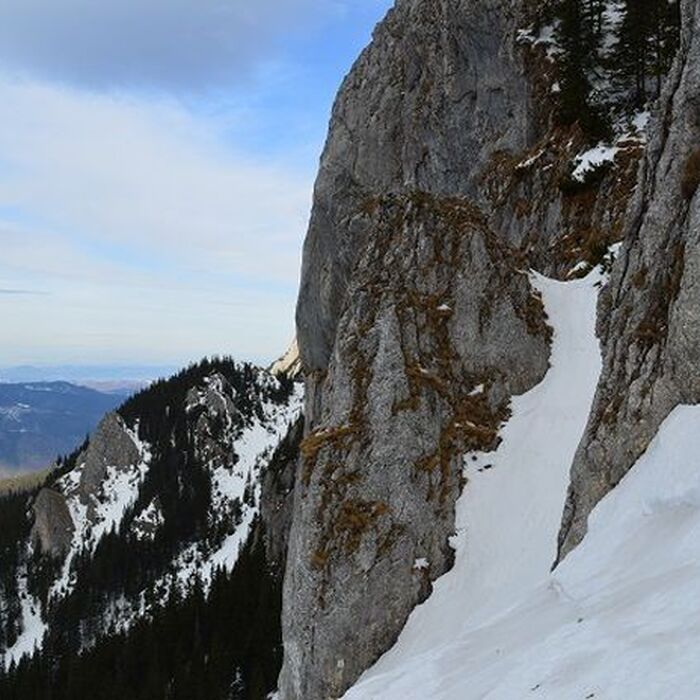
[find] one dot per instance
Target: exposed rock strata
(415, 323)
(110, 446)
(444, 178)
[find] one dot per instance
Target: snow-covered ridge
(236, 486)
(228, 419)
(100, 513)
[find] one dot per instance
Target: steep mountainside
(498, 323)
(454, 164)
(39, 421)
(154, 530)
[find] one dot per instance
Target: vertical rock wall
(416, 324)
(439, 187)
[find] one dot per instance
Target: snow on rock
(507, 518)
(530, 161)
(640, 121)
(593, 158)
(99, 515)
(253, 447)
(546, 37)
(613, 16)
(618, 619)
(146, 524)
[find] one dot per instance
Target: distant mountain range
(40, 420)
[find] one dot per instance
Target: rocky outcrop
(650, 315)
(53, 526)
(110, 445)
(416, 324)
(289, 364)
(436, 93)
(444, 179)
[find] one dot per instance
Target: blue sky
(156, 167)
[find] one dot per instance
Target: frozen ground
(620, 618)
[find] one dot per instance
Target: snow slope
(33, 627)
(620, 618)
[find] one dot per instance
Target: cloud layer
(149, 236)
(156, 166)
(169, 44)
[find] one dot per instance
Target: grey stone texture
(443, 180)
(53, 526)
(412, 300)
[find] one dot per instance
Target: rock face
(426, 104)
(277, 496)
(416, 324)
(650, 313)
(53, 526)
(289, 364)
(444, 179)
(110, 446)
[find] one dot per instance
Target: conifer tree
(646, 44)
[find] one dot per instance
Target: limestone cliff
(441, 184)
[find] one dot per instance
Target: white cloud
(148, 174)
(167, 44)
(150, 237)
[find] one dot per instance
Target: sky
(156, 167)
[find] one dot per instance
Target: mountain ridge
(498, 301)
(40, 421)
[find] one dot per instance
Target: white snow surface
(619, 618)
(592, 158)
(118, 491)
(146, 524)
(33, 627)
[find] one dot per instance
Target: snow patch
(33, 626)
(253, 447)
(147, 522)
(593, 158)
(640, 120)
(618, 618)
(546, 37)
(118, 491)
